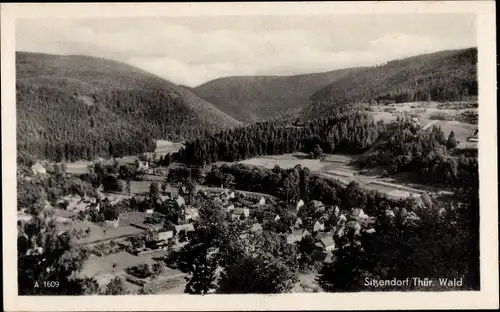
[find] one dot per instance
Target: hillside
(255, 98)
(81, 107)
(441, 76)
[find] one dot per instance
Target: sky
(193, 50)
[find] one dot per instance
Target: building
(262, 201)
(318, 227)
(296, 236)
(149, 211)
(298, 223)
(37, 168)
(270, 217)
(188, 227)
(256, 228)
(318, 205)
(112, 224)
(328, 243)
(192, 213)
(300, 204)
(180, 201)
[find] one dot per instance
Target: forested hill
(255, 98)
(441, 76)
(76, 107)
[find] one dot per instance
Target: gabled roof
(318, 226)
(256, 227)
(180, 201)
(328, 241)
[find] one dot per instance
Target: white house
(262, 201)
(38, 168)
(318, 227)
(300, 204)
(149, 211)
(256, 228)
(328, 243)
(336, 211)
(180, 201)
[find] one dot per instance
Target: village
(133, 243)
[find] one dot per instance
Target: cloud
(192, 51)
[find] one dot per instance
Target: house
(230, 208)
(112, 224)
(240, 211)
(298, 222)
(336, 211)
(320, 235)
(318, 205)
(180, 201)
(342, 219)
(192, 213)
(188, 227)
(355, 226)
(270, 217)
(231, 195)
(149, 211)
(37, 168)
(143, 166)
(262, 201)
(296, 236)
(390, 214)
(318, 227)
(370, 231)
(328, 243)
(256, 228)
(158, 239)
(300, 204)
(359, 213)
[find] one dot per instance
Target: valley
(156, 188)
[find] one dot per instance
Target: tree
(154, 191)
(115, 287)
(164, 187)
(257, 275)
(317, 153)
(346, 272)
(451, 143)
(111, 184)
(45, 255)
(128, 187)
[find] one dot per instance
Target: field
(338, 167)
(459, 117)
(425, 111)
(104, 268)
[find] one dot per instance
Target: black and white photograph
(245, 153)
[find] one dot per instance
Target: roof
(328, 241)
(318, 226)
(240, 211)
(300, 204)
(165, 235)
(270, 216)
(317, 203)
(189, 227)
(39, 168)
(180, 201)
(256, 227)
(320, 235)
